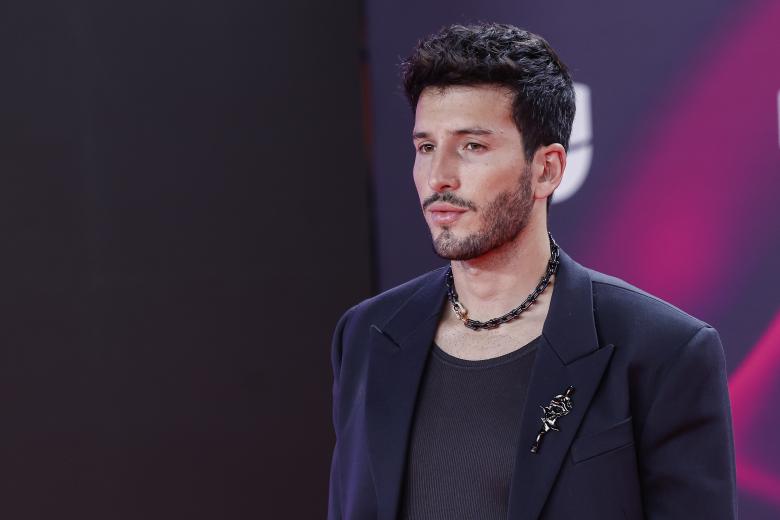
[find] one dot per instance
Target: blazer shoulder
(613, 295)
(625, 312)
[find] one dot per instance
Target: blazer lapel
(569, 355)
(398, 351)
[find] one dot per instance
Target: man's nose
(443, 175)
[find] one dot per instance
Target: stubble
(503, 219)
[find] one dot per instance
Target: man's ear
(549, 161)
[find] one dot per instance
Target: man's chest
(457, 340)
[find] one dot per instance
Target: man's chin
(455, 249)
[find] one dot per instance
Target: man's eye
(425, 148)
(474, 146)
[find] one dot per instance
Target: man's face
(470, 170)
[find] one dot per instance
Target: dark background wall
(183, 216)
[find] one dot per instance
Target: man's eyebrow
(460, 131)
(473, 131)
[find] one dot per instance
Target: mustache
(449, 198)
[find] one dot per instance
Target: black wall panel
(183, 213)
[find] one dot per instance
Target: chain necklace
(463, 314)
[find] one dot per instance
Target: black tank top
(464, 437)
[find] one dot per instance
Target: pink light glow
(753, 387)
(694, 184)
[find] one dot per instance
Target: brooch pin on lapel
(559, 406)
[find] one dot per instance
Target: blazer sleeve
(686, 447)
(334, 494)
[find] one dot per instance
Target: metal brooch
(559, 406)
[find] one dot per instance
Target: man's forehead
(464, 109)
(478, 88)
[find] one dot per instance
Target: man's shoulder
(614, 294)
(622, 310)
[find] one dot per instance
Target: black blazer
(649, 434)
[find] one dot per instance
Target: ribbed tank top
(464, 437)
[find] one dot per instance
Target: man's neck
(500, 280)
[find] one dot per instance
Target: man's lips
(443, 213)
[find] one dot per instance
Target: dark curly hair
(498, 54)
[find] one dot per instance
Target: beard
(503, 219)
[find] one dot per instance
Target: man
(515, 383)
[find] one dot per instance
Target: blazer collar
(569, 355)
(570, 326)
(425, 304)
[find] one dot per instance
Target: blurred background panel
(676, 158)
(184, 212)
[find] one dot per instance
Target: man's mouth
(444, 214)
